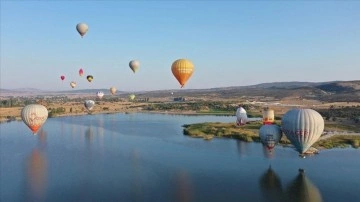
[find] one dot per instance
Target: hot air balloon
(89, 78)
(62, 78)
(132, 97)
(73, 84)
(270, 135)
(99, 94)
(134, 65)
(303, 127)
(89, 104)
(241, 116)
(34, 116)
(113, 90)
(81, 72)
(268, 116)
(82, 28)
(182, 69)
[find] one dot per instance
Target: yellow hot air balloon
(89, 78)
(132, 97)
(113, 90)
(34, 116)
(182, 69)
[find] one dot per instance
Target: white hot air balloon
(82, 28)
(270, 135)
(134, 65)
(241, 116)
(303, 127)
(89, 104)
(73, 84)
(99, 94)
(34, 116)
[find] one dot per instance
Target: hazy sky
(231, 43)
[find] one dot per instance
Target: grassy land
(250, 133)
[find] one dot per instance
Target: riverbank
(250, 133)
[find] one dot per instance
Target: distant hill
(324, 91)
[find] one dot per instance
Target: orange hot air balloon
(182, 69)
(81, 72)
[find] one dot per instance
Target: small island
(250, 133)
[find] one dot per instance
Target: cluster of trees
(347, 112)
(197, 106)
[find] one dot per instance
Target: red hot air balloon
(62, 78)
(81, 72)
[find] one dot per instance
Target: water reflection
(242, 147)
(36, 176)
(184, 190)
(302, 190)
(268, 152)
(270, 185)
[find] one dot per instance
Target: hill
(332, 91)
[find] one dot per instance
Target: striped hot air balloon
(268, 116)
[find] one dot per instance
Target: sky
(230, 43)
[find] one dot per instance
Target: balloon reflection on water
(300, 189)
(36, 175)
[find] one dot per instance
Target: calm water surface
(145, 157)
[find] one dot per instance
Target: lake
(146, 157)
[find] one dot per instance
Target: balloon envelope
(268, 116)
(99, 94)
(89, 78)
(241, 116)
(132, 97)
(303, 127)
(62, 77)
(113, 90)
(182, 69)
(89, 104)
(34, 116)
(82, 28)
(134, 65)
(81, 72)
(73, 84)
(270, 135)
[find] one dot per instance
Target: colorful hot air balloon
(270, 135)
(89, 78)
(241, 116)
(268, 116)
(99, 94)
(113, 90)
(62, 78)
(81, 72)
(182, 69)
(34, 116)
(82, 28)
(134, 65)
(132, 97)
(73, 84)
(303, 127)
(89, 104)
